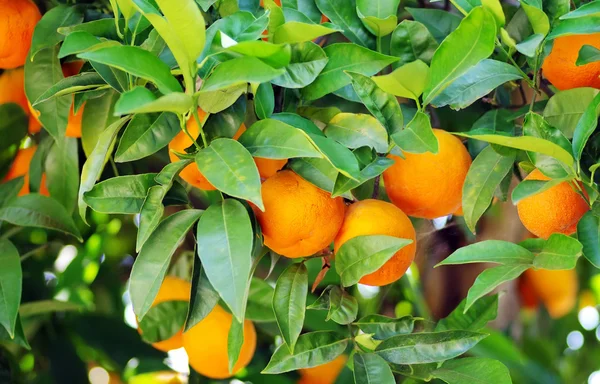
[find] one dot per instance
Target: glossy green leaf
(538, 19)
(239, 71)
(565, 108)
(163, 321)
(98, 114)
(103, 27)
(484, 176)
(412, 41)
(382, 327)
(492, 251)
(474, 37)
(9, 189)
(312, 349)
(296, 32)
(473, 370)
(559, 252)
(408, 80)
(491, 278)
(224, 240)
(319, 172)
(535, 126)
(307, 61)
(43, 307)
(264, 101)
(343, 13)
(358, 130)
(530, 45)
(289, 302)
(218, 101)
(474, 319)
(11, 277)
(46, 35)
(150, 266)
(585, 127)
(187, 23)
(137, 62)
(19, 337)
(418, 136)
(62, 172)
(260, 301)
(439, 23)
(332, 78)
(203, 299)
(227, 122)
(72, 84)
(145, 135)
(235, 340)
(343, 307)
(343, 183)
(528, 188)
(588, 233)
(369, 368)
(362, 255)
(13, 124)
(420, 348)
(306, 7)
(229, 166)
(142, 100)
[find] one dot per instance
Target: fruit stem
(184, 129)
(200, 124)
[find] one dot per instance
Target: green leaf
(307, 61)
(588, 233)
(163, 321)
(289, 302)
(362, 255)
(46, 34)
(151, 265)
(418, 136)
(420, 348)
(13, 124)
(260, 302)
(224, 240)
(490, 278)
(534, 125)
(98, 114)
(378, 27)
(264, 101)
(9, 189)
(93, 166)
(585, 127)
(274, 139)
(203, 299)
(217, 101)
(295, 32)
(355, 130)
(439, 23)
(473, 370)
(538, 19)
(228, 166)
(475, 37)
(19, 337)
(312, 349)
(319, 172)
(408, 80)
(142, 100)
(530, 45)
(145, 135)
(528, 188)
(565, 108)
(137, 62)
(491, 251)
(559, 252)
(477, 82)
(474, 319)
(62, 171)
(307, 8)
(103, 28)
(11, 277)
(382, 105)
(382, 327)
(485, 175)
(343, 184)
(369, 368)
(235, 340)
(343, 13)
(332, 78)
(73, 84)
(343, 307)
(42, 307)
(39, 211)
(412, 41)
(239, 71)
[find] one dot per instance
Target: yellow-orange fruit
(74, 122)
(206, 345)
(429, 185)
(529, 298)
(20, 167)
(556, 289)
(266, 167)
(12, 90)
(299, 219)
(323, 374)
(172, 289)
(559, 66)
(556, 210)
(17, 22)
(376, 217)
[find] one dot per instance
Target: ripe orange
(557, 209)
(20, 167)
(556, 289)
(12, 90)
(560, 68)
(266, 167)
(376, 217)
(427, 185)
(529, 298)
(299, 219)
(323, 374)
(206, 345)
(19, 18)
(172, 289)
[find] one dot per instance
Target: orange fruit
(20, 167)
(559, 66)
(323, 374)
(556, 289)
(74, 122)
(266, 167)
(206, 345)
(529, 298)
(18, 20)
(299, 219)
(429, 185)
(376, 217)
(12, 90)
(172, 289)
(556, 210)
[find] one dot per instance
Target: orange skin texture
(556, 289)
(206, 345)
(172, 289)
(12, 90)
(323, 374)
(560, 69)
(427, 185)
(376, 217)
(20, 167)
(299, 219)
(556, 210)
(19, 18)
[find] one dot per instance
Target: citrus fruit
(20, 167)
(560, 66)
(556, 289)
(19, 18)
(12, 90)
(323, 374)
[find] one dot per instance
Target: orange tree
(270, 165)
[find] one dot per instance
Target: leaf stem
(514, 63)
(201, 125)
(11, 232)
(182, 124)
(114, 166)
